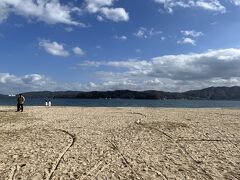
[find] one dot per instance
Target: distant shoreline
(131, 103)
(211, 93)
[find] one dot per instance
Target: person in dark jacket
(20, 102)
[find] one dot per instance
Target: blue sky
(172, 45)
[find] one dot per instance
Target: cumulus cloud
(129, 64)
(94, 6)
(175, 72)
(100, 18)
(90, 64)
(78, 51)
(236, 2)
(105, 10)
(69, 29)
(222, 63)
(121, 38)
(53, 12)
(192, 33)
(115, 14)
(13, 84)
(10, 84)
(48, 11)
(187, 41)
(53, 48)
(3, 13)
(169, 73)
(189, 37)
(145, 33)
(210, 5)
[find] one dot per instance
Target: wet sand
(119, 143)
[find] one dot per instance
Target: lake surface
(127, 103)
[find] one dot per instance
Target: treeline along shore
(211, 93)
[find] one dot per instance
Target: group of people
(48, 102)
(21, 100)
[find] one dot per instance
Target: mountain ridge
(210, 93)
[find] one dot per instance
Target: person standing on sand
(49, 103)
(46, 102)
(20, 102)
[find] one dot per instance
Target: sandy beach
(119, 143)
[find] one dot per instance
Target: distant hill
(3, 96)
(215, 93)
(49, 94)
(211, 93)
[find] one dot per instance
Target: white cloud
(105, 10)
(90, 64)
(121, 38)
(169, 73)
(100, 18)
(53, 48)
(189, 37)
(69, 29)
(78, 51)
(211, 5)
(143, 32)
(130, 64)
(163, 38)
(48, 11)
(115, 14)
(192, 33)
(222, 63)
(10, 84)
(236, 2)
(94, 6)
(174, 72)
(3, 13)
(53, 12)
(187, 41)
(13, 84)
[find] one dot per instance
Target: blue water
(127, 103)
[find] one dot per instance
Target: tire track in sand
(54, 168)
(183, 150)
